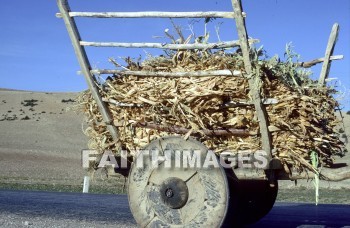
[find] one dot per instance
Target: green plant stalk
(314, 162)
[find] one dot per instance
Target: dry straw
(146, 108)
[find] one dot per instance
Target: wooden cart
(191, 197)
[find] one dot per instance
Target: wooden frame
(85, 68)
(253, 80)
(329, 52)
(237, 14)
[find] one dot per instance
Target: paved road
(51, 209)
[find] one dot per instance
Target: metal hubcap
(174, 192)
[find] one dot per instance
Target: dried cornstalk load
(209, 108)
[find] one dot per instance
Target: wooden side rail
(219, 45)
(223, 73)
(151, 14)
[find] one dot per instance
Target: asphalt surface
(53, 209)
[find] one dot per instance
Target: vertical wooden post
(254, 91)
(329, 52)
(85, 68)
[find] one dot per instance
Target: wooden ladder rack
(243, 42)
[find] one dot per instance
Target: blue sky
(36, 53)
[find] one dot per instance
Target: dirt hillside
(39, 138)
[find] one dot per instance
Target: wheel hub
(169, 193)
(174, 192)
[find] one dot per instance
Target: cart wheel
(253, 199)
(177, 197)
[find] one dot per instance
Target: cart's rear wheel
(177, 197)
(253, 199)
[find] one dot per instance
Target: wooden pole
(85, 68)
(231, 104)
(151, 14)
(253, 81)
(227, 44)
(327, 174)
(329, 51)
(223, 73)
(182, 130)
(319, 60)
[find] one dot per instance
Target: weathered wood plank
(234, 73)
(329, 51)
(85, 67)
(152, 14)
(182, 130)
(121, 104)
(319, 60)
(254, 90)
(328, 174)
(227, 44)
(267, 101)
